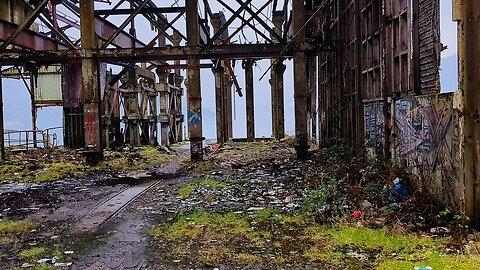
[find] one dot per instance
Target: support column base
(93, 158)
(196, 149)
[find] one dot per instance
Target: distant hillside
(449, 74)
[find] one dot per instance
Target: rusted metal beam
(469, 40)
(27, 22)
(128, 11)
(29, 39)
(236, 14)
(261, 22)
(194, 115)
(250, 106)
(105, 29)
(300, 81)
(124, 24)
(233, 52)
(245, 21)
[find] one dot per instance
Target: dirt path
(125, 234)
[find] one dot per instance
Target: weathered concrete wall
(428, 137)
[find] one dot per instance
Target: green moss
(57, 171)
(32, 254)
(202, 167)
(187, 190)
(270, 238)
(436, 261)
(144, 157)
(10, 227)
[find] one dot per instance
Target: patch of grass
(142, 158)
(202, 167)
(270, 238)
(187, 190)
(436, 261)
(10, 227)
(32, 254)
(57, 171)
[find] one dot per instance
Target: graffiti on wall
(374, 127)
(427, 136)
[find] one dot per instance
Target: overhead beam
(27, 22)
(233, 52)
(127, 11)
(29, 39)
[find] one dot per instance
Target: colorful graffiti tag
(428, 137)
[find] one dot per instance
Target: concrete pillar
(470, 54)
(193, 84)
(312, 97)
(300, 81)
(276, 82)
(2, 128)
(248, 66)
(91, 85)
(220, 102)
(132, 110)
(223, 90)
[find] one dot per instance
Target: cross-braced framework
(83, 37)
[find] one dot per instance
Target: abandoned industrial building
(332, 143)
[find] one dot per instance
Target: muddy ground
(247, 206)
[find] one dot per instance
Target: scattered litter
(27, 265)
(46, 260)
(176, 261)
(423, 268)
(63, 264)
(398, 191)
(251, 209)
(68, 252)
(356, 213)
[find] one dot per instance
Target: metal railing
(27, 139)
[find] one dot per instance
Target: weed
(10, 227)
(32, 254)
(187, 190)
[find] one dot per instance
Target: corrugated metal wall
(48, 90)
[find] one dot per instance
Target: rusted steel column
(280, 71)
(312, 88)
(193, 84)
(219, 102)
(276, 82)
(228, 84)
(469, 40)
(178, 83)
(300, 81)
(248, 66)
(34, 109)
(91, 86)
(2, 128)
